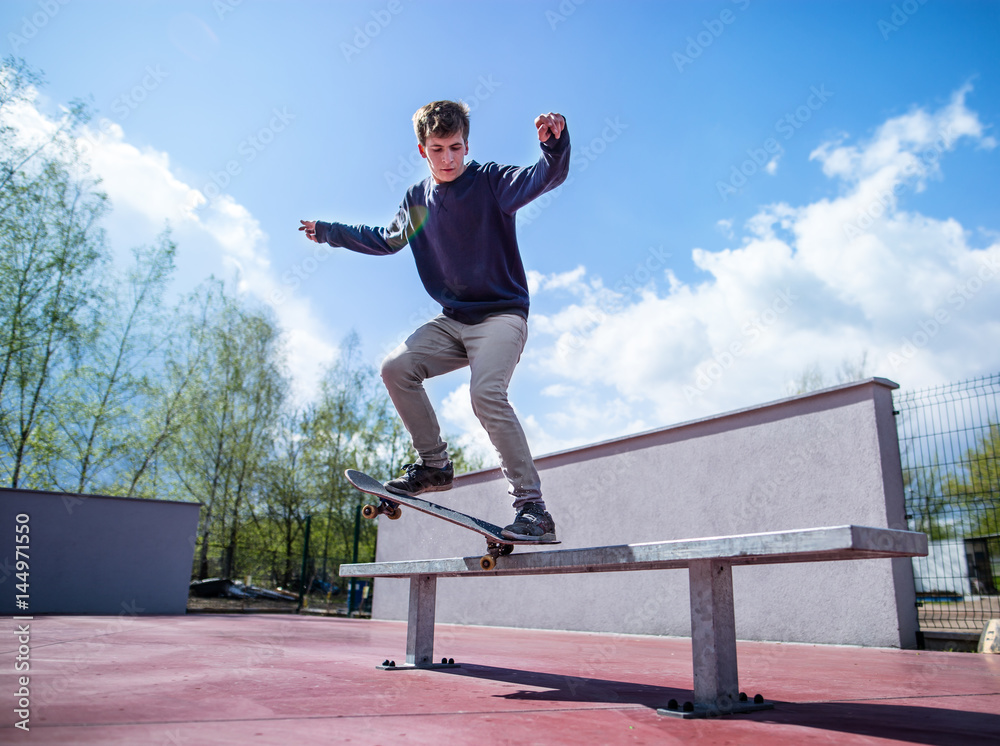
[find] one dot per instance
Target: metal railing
(949, 439)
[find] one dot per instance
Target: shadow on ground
(908, 721)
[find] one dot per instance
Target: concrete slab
(224, 679)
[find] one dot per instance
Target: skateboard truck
(494, 550)
(384, 507)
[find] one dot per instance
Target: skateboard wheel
(673, 705)
(487, 562)
(506, 549)
(395, 513)
(369, 511)
(689, 707)
(758, 699)
(743, 696)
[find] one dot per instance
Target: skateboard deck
(496, 544)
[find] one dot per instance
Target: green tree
(976, 491)
(238, 395)
(169, 407)
(351, 425)
(280, 512)
(112, 379)
(51, 253)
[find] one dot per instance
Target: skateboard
(389, 502)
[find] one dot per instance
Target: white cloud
(821, 283)
(457, 415)
(218, 236)
(537, 281)
(907, 145)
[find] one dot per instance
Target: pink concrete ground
(201, 680)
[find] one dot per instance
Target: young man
(460, 226)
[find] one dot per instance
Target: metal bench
(709, 563)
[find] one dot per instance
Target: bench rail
(709, 563)
(804, 545)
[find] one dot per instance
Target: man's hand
(548, 125)
(309, 226)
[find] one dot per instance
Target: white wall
(945, 569)
(822, 459)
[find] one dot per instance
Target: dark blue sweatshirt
(462, 233)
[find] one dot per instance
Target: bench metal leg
(713, 643)
(713, 633)
(420, 627)
(420, 621)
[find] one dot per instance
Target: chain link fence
(295, 575)
(949, 437)
(256, 586)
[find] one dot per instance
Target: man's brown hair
(441, 119)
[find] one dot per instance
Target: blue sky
(758, 188)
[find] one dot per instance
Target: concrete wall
(91, 554)
(822, 459)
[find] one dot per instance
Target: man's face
(445, 156)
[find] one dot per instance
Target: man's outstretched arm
(516, 187)
(361, 238)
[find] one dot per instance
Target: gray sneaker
(533, 523)
(419, 479)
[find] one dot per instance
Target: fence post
(303, 580)
(357, 539)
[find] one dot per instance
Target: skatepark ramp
(709, 563)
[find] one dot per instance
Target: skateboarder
(460, 225)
